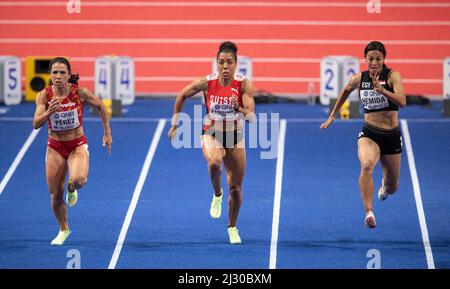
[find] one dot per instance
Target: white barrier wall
(114, 78)
(335, 72)
(446, 78)
(124, 80)
(329, 79)
(350, 66)
(10, 80)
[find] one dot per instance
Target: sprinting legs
(78, 168)
(213, 153)
(390, 165)
(369, 155)
(234, 162)
(56, 170)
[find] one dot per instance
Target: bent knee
(56, 198)
(235, 190)
(215, 165)
(367, 166)
(78, 182)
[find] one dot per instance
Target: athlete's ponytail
(73, 77)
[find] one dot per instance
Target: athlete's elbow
(250, 116)
(36, 125)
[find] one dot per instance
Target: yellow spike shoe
(233, 233)
(216, 206)
(71, 198)
(61, 238)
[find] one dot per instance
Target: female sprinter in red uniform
(61, 105)
(381, 92)
(228, 99)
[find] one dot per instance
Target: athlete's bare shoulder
(354, 81)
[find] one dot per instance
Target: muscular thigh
(235, 162)
(391, 169)
(368, 150)
(79, 162)
(212, 150)
(55, 169)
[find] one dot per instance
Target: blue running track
(320, 219)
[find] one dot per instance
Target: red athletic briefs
(64, 148)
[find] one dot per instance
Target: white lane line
(301, 120)
(221, 22)
(18, 159)
(142, 4)
(137, 193)
(417, 195)
(275, 41)
(277, 196)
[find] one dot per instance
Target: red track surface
(416, 48)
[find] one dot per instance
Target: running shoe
(71, 198)
(381, 194)
(61, 238)
(369, 221)
(216, 206)
(233, 233)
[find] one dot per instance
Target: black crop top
(372, 100)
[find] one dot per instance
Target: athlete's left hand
(107, 140)
(235, 103)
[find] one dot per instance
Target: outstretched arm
(351, 85)
(189, 91)
(87, 96)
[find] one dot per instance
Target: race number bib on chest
(65, 120)
(220, 111)
(373, 100)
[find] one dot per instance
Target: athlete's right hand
(327, 123)
(54, 105)
(172, 132)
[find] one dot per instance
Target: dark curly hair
(228, 46)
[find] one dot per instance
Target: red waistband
(64, 148)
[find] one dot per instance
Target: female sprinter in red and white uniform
(61, 105)
(229, 100)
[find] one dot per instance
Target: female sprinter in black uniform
(381, 92)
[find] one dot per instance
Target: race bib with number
(65, 120)
(222, 111)
(373, 100)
